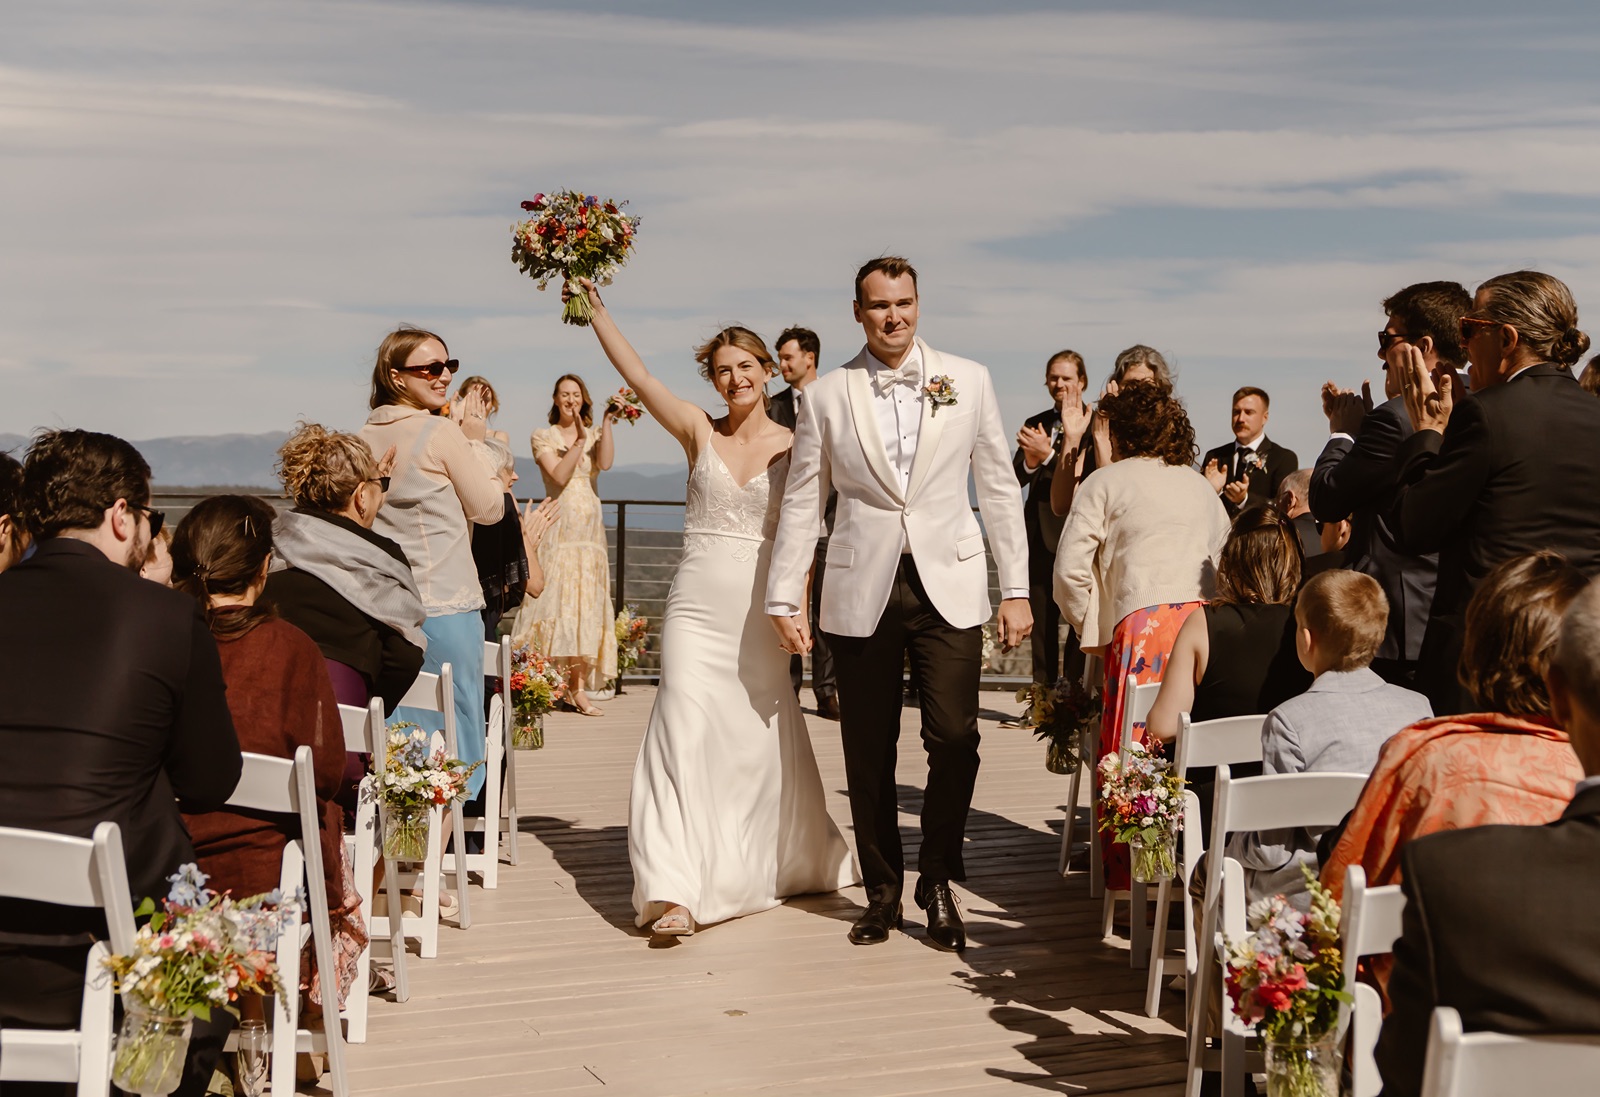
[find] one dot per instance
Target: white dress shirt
(899, 408)
(1236, 468)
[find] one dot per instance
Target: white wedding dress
(727, 814)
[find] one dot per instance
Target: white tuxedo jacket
(837, 443)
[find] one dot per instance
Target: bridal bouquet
(416, 777)
(633, 630)
(1286, 980)
(200, 951)
(536, 687)
(1059, 716)
(1141, 804)
(626, 403)
(573, 235)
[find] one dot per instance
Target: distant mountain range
(246, 461)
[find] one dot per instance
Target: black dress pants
(945, 662)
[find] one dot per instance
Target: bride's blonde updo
(321, 468)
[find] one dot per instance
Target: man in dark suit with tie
(1499, 922)
(112, 708)
(1357, 473)
(798, 349)
(1511, 469)
(1038, 447)
(1249, 471)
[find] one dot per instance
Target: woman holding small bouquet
(727, 815)
(571, 621)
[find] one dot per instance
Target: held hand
(1215, 475)
(1015, 622)
(537, 520)
(588, 287)
(1035, 446)
(1236, 492)
(794, 636)
(386, 462)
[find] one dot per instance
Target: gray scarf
(363, 574)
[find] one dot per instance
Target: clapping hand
(386, 462)
(470, 413)
(1035, 445)
(1236, 492)
(1074, 425)
(537, 520)
(1429, 394)
(1216, 475)
(1344, 408)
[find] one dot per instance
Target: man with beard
(112, 706)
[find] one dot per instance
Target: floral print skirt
(1139, 647)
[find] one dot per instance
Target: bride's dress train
(727, 815)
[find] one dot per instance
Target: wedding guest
(1293, 506)
(1039, 446)
(281, 699)
(488, 405)
(1137, 554)
(1508, 762)
(1490, 952)
(572, 622)
(348, 588)
(440, 485)
(13, 535)
(1590, 377)
(1086, 443)
(1513, 470)
(507, 553)
(798, 350)
(113, 696)
(1358, 471)
(1336, 726)
(1249, 471)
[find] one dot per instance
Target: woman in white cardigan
(1138, 552)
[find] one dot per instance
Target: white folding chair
(436, 693)
(1226, 741)
(70, 872)
(1369, 925)
(1273, 802)
(1093, 672)
(1490, 1064)
(496, 793)
(1140, 698)
(285, 787)
(364, 734)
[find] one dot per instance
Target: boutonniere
(1252, 460)
(941, 393)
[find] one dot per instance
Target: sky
(211, 213)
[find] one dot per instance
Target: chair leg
(1158, 953)
(513, 825)
(458, 833)
(1108, 913)
(1069, 824)
(1138, 924)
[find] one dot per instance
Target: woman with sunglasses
(1512, 470)
(441, 485)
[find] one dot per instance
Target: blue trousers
(457, 639)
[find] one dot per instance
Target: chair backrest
(1488, 1064)
(364, 731)
(71, 872)
(1134, 711)
(436, 693)
(1227, 741)
(497, 658)
(1370, 921)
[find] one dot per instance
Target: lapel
(865, 417)
(931, 427)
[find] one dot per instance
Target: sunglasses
(1468, 323)
(382, 482)
(156, 517)
(432, 370)
(1387, 339)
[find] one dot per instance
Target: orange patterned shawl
(1448, 773)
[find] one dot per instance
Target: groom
(896, 432)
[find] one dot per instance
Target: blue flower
(188, 886)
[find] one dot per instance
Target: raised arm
(682, 419)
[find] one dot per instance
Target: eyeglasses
(1467, 323)
(156, 517)
(432, 370)
(381, 481)
(1387, 339)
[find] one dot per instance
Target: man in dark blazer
(112, 707)
(1356, 475)
(1038, 447)
(1481, 902)
(798, 349)
(1249, 471)
(1511, 469)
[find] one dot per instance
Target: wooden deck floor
(552, 991)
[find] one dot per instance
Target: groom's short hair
(891, 265)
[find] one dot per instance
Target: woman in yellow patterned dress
(572, 621)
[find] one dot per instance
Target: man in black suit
(798, 349)
(1356, 475)
(1481, 902)
(1511, 469)
(1038, 447)
(112, 707)
(1249, 470)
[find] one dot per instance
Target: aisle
(551, 992)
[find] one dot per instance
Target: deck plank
(552, 991)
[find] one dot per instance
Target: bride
(726, 815)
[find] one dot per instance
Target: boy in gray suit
(1336, 726)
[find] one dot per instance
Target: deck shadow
(597, 861)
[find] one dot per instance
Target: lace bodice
(719, 507)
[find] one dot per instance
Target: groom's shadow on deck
(597, 861)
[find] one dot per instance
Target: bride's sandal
(673, 925)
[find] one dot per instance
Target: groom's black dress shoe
(873, 927)
(944, 920)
